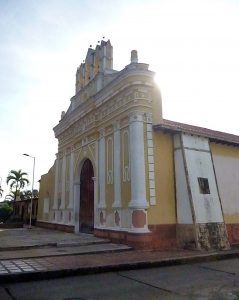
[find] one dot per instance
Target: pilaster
(76, 195)
(63, 182)
(102, 203)
(138, 203)
(102, 170)
(117, 168)
(55, 203)
(71, 187)
(137, 162)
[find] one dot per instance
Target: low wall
(11, 225)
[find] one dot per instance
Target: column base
(138, 204)
(136, 240)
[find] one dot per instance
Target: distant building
(125, 173)
(22, 209)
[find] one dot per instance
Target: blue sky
(192, 45)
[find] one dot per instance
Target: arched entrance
(86, 223)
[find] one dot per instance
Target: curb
(53, 274)
(27, 247)
(99, 251)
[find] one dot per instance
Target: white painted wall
(184, 215)
(195, 142)
(199, 164)
(227, 173)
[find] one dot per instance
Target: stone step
(63, 251)
(66, 243)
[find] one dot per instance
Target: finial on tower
(134, 56)
(63, 114)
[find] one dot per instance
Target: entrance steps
(60, 244)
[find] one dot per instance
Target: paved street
(213, 281)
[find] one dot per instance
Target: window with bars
(203, 185)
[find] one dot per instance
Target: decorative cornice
(107, 93)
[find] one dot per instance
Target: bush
(5, 211)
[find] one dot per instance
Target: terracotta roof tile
(201, 131)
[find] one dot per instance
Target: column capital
(101, 133)
(60, 154)
(149, 117)
(68, 151)
(116, 125)
(136, 116)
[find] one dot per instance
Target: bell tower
(97, 60)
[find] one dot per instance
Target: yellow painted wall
(47, 186)
(125, 183)
(164, 212)
(226, 163)
(225, 150)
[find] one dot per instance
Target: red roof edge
(213, 135)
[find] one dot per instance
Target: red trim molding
(163, 236)
(233, 233)
(135, 240)
(160, 237)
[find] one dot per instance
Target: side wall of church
(226, 164)
(46, 196)
(195, 179)
(162, 214)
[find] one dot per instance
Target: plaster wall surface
(184, 214)
(46, 194)
(164, 210)
(226, 163)
(199, 164)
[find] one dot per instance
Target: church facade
(124, 173)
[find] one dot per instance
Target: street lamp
(30, 221)
(1, 187)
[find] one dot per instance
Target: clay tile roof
(213, 135)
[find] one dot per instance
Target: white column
(71, 187)
(76, 195)
(63, 182)
(102, 169)
(117, 169)
(55, 204)
(137, 162)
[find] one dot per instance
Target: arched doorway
(86, 223)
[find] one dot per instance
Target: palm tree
(11, 195)
(1, 191)
(17, 181)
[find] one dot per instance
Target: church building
(124, 173)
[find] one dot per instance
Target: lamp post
(30, 221)
(1, 187)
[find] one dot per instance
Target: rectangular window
(203, 185)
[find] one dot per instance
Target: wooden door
(87, 197)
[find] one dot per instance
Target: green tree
(17, 181)
(27, 194)
(13, 195)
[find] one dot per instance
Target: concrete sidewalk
(83, 254)
(60, 266)
(25, 238)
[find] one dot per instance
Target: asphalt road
(212, 280)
